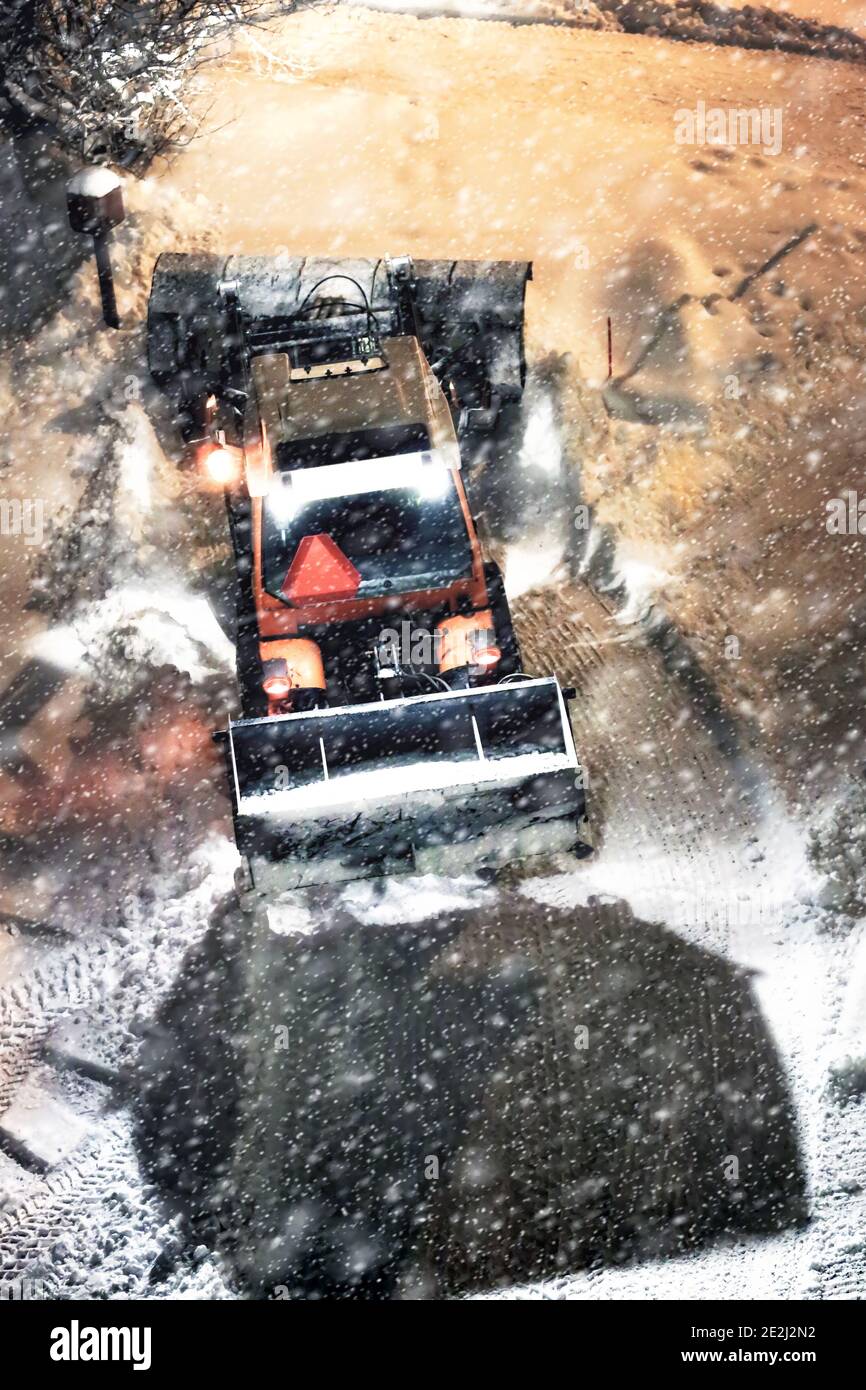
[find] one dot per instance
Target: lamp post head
(94, 199)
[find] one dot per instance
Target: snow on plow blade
(438, 783)
(193, 333)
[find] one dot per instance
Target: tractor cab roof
(389, 405)
(366, 458)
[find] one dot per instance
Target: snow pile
(753, 26)
(413, 899)
(848, 1047)
(530, 512)
(587, 14)
(136, 629)
(838, 847)
(748, 26)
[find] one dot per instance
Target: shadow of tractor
(466, 1103)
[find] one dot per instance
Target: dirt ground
(705, 922)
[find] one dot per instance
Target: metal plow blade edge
(435, 783)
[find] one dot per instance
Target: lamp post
(94, 199)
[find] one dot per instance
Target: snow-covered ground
(712, 626)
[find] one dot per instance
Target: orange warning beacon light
(221, 465)
(468, 640)
(276, 678)
(290, 666)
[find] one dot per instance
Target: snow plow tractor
(387, 723)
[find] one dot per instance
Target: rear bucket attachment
(434, 783)
(208, 315)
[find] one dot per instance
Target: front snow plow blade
(437, 783)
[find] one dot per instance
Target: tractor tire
(254, 702)
(510, 663)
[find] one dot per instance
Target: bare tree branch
(108, 76)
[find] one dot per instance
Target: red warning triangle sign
(319, 571)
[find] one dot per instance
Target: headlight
(222, 465)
